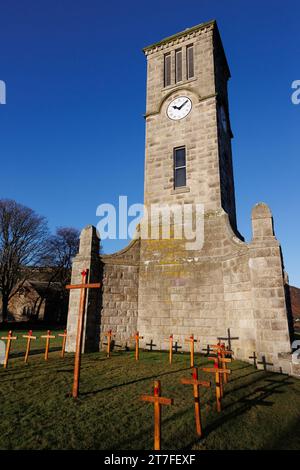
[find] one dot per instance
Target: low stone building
(294, 296)
(38, 298)
(162, 286)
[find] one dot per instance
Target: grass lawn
(37, 346)
(261, 410)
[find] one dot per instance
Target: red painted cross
(83, 290)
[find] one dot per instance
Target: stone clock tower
(159, 287)
(187, 109)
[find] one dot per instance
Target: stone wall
(114, 305)
(159, 288)
(120, 292)
(227, 284)
(26, 304)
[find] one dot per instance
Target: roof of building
(180, 34)
(43, 288)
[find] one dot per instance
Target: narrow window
(167, 69)
(190, 61)
(178, 66)
(179, 167)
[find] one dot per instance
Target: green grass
(261, 410)
(18, 346)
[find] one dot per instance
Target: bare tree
(61, 249)
(23, 235)
(59, 252)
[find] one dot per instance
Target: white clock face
(179, 108)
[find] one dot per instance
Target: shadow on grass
(288, 440)
(244, 404)
(242, 367)
(33, 352)
(131, 382)
(259, 375)
(242, 377)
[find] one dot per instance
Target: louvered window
(190, 61)
(167, 70)
(178, 65)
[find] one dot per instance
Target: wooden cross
(229, 338)
(137, 338)
(9, 338)
(222, 352)
(208, 350)
(83, 290)
(29, 337)
(224, 361)
(121, 346)
(48, 336)
(196, 384)
(254, 357)
(158, 401)
(63, 348)
(109, 334)
(171, 349)
(220, 362)
(265, 363)
(217, 371)
(176, 346)
(221, 349)
(151, 344)
(192, 342)
(217, 346)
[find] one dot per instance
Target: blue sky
(72, 131)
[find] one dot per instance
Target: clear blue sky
(72, 131)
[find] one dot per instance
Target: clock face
(179, 108)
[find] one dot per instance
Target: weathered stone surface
(120, 292)
(160, 287)
(87, 258)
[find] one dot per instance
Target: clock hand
(183, 104)
(175, 107)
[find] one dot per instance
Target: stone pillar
(268, 294)
(87, 258)
(262, 222)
